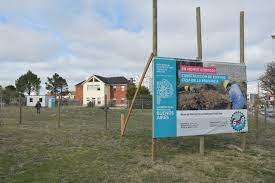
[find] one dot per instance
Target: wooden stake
(153, 149)
(243, 135)
(59, 110)
(135, 96)
(122, 120)
(202, 145)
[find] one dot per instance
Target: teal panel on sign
(165, 98)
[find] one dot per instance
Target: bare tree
(268, 79)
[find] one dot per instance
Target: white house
(94, 90)
(43, 99)
(97, 87)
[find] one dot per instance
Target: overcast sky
(78, 38)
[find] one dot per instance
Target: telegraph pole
(155, 52)
(243, 135)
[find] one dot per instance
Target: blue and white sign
(198, 98)
(165, 100)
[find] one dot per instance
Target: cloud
(24, 44)
(80, 38)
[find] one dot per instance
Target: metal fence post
(20, 108)
(59, 110)
(265, 115)
(106, 111)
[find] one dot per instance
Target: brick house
(96, 87)
(79, 92)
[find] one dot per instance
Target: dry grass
(83, 151)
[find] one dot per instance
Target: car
(271, 114)
(262, 111)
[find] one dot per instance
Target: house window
(122, 100)
(31, 99)
(87, 99)
(98, 100)
(122, 88)
(40, 99)
(114, 88)
(89, 87)
(93, 87)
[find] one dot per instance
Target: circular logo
(238, 121)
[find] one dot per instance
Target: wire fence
(64, 112)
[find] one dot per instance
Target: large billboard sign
(198, 98)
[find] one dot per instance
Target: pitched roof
(113, 80)
(80, 83)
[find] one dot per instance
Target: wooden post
(257, 119)
(142, 104)
(155, 53)
(1, 103)
(243, 135)
(242, 37)
(265, 115)
(153, 149)
(199, 38)
(59, 110)
(20, 108)
(155, 27)
(106, 111)
(202, 145)
(199, 56)
(257, 113)
(122, 120)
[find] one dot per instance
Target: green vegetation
(143, 91)
(28, 83)
(83, 151)
(57, 85)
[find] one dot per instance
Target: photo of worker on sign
(210, 86)
(235, 94)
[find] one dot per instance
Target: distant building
(270, 99)
(147, 82)
(79, 92)
(43, 99)
(252, 99)
(70, 95)
(96, 87)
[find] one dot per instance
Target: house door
(93, 101)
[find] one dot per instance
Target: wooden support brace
(135, 96)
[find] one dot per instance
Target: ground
(82, 150)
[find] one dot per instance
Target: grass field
(82, 150)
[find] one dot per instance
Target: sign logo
(164, 90)
(238, 121)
